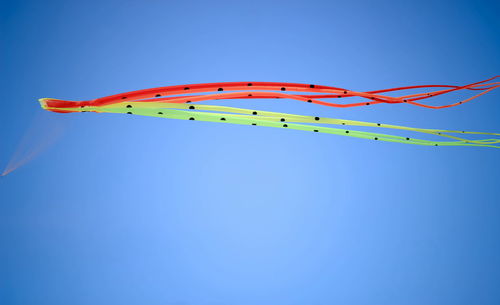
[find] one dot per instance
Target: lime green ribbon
(232, 115)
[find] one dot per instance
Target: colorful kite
(176, 102)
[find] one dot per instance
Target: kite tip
(51, 104)
(43, 102)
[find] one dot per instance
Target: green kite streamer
(232, 115)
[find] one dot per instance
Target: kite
(182, 102)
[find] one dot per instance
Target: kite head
(61, 106)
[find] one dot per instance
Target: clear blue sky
(136, 210)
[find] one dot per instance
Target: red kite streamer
(258, 90)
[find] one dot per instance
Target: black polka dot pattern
(267, 118)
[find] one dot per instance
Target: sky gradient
(137, 210)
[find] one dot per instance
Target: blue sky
(137, 210)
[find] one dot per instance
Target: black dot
(188, 102)
(254, 113)
(222, 119)
(186, 88)
(220, 89)
(375, 138)
(435, 145)
(407, 139)
(315, 130)
(283, 88)
(191, 118)
(460, 102)
(367, 104)
(282, 119)
(191, 107)
(339, 96)
(343, 123)
(309, 101)
(405, 101)
(129, 106)
(347, 131)
(249, 95)
(311, 86)
(378, 124)
(160, 112)
(124, 97)
(254, 124)
(316, 118)
(285, 125)
(158, 95)
(249, 84)
(345, 92)
(129, 112)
